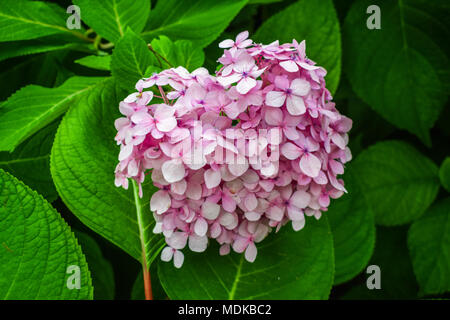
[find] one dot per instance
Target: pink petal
(173, 170)
(250, 252)
(167, 124)
(232, 78)
(289, 66)
(125, 151)
(291, 151)
(300, 199)
(210, 210)
(298, 224)
(177, 240)
(160, 202)
(167, 254)
(200, 226)
(212, 178)
(275, 98)
(310, 165)
(228, 203)
(295, 214)
(179, 187)
(245, 85)
(295, 105)
(240, 244)
(178, 259)
(242, 36)
(198, 244)
(281, 82)
(251, 202)
(273, 117)
(300, 87)
(252, 216)
(194, 191)
(228, 43)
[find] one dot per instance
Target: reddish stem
(147, 280)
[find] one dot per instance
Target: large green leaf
(12, 49)
(200, 21)
(83, 159)
(400, 70)
(130, 59)
(444, 174)
(179, 53)
(23, 20)
(397, 181)
(353, 227)
(101, 269)
(110, 18)
(314, 21)
(289, 265)
(30, 162)
(429, 247)
(37, 247)
(96, 62)
(33, 107)
(396, 272)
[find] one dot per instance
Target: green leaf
(130, 59)
(400, 70)
(314, 21)
(110, 18)
(429, 247)
(42, 105)
(30, 162)
(21, 48)
(101, 269)
(96, 62)
(262, 1)
(83, 160)
(444, 174)
(37, 247)
(24, 20)
(289, 265)
(179, 53)
(353, 227)
(200, 21)
(397, 181)
(397, 276)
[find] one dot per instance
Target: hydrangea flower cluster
(234, 155)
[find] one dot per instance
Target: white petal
(300, 87)
(167, 254)
(210, 210)
(250, 252)
(160, 202)
(167, 124)
(173, 170)
(200, 227)
(300, 199)
(245, 85)
(275, 98)
(212, 178)
(197, 243)
(295, 105)
(178, 259)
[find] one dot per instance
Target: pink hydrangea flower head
(238, 154)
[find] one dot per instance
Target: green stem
(145, 266)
